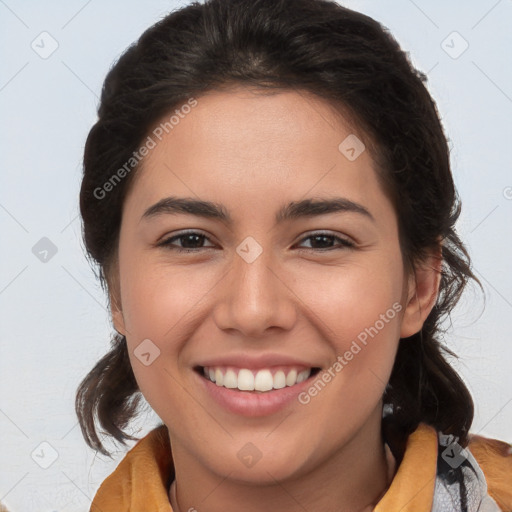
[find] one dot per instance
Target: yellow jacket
(141, 481)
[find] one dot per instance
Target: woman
(268, 196)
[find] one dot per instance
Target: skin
(253, 153)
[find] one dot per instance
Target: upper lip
(256, 362)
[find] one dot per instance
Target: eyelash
(343, 243)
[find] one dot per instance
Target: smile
(262, 380)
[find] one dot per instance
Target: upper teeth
(249, 380)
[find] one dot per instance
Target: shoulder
(495, 459)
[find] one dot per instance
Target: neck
(354, 478)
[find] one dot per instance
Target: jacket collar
(142, 479)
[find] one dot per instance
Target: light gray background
(54, 324)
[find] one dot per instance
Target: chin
(263, 465)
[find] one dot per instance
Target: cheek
(163, 305)
(358, 311)
(157, 300)
(352, 299)
(159, 305)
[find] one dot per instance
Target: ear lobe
(116, 309)
(423, 289)
(117, 318)
(114, 295)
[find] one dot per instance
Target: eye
(323, 242)
(191, 241)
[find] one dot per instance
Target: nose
(255, 298)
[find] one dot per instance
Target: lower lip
(250, 403)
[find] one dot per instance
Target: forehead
(249, 146)
(239, 117)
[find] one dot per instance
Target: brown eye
(191, 241)
(324, 241)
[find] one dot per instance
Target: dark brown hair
(340, 55)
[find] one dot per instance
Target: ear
(114, 295)
(422, 292)
(117, 313)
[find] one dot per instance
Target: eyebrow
(293, 210)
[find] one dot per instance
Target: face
(290, 279)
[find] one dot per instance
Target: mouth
(257, 381)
